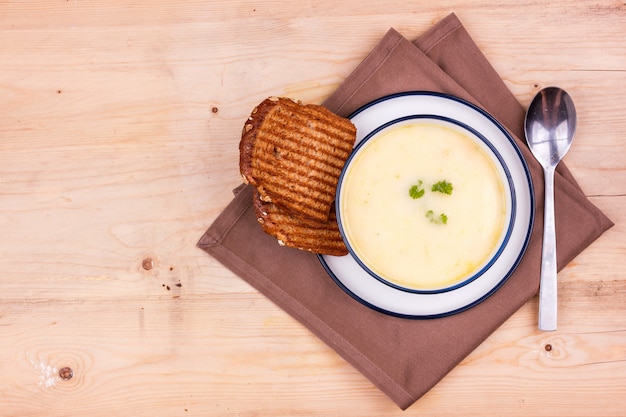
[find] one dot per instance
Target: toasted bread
(293, 154)
(295, 231)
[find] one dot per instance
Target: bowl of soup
(435, 205)
(424, 204)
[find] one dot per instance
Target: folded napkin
(404, 358)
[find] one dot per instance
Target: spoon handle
(548, 283)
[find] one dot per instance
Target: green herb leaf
(416, 191)
(441, 219)
(442, 187)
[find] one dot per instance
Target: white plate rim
(423, 305)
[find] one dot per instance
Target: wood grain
(119, 124)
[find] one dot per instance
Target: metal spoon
(550, 125)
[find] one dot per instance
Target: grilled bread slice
(294, 153)
(298, 232)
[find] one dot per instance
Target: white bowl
(409, 247)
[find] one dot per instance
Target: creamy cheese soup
(436, 239)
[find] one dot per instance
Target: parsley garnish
(441, 219)
(416, 191)
(442, 187)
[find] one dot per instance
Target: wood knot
(66, 373)
(147, 264)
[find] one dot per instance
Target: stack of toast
(293, 155)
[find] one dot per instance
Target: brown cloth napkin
(404, 358)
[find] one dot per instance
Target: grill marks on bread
(297, 232)
(293, 155)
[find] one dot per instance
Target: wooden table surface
(119, 126)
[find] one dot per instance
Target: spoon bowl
(550, 126)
